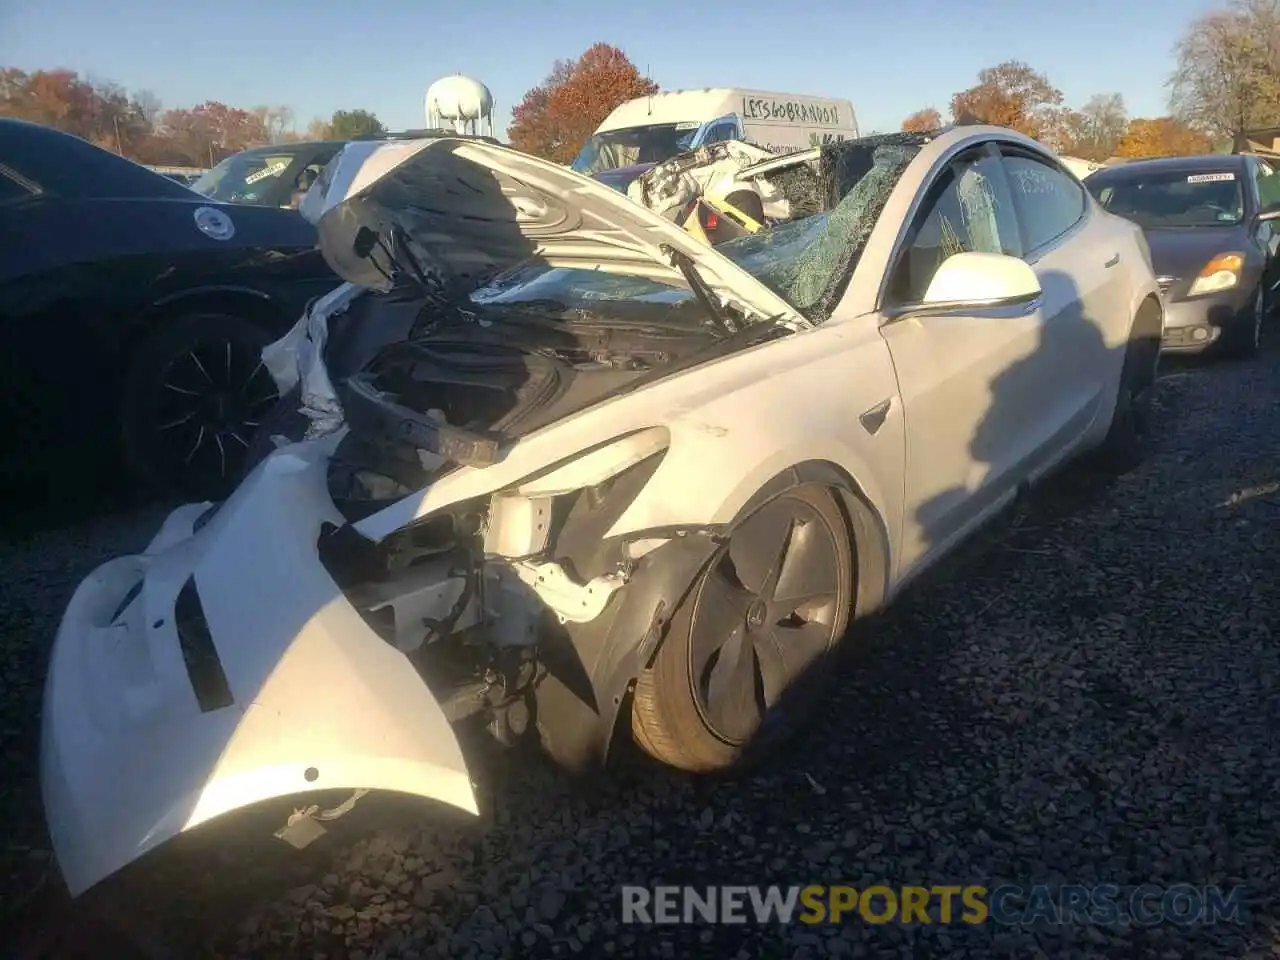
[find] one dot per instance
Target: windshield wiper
(684, 263)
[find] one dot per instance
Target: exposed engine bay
(438, 372)
(496, 575)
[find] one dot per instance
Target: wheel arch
(245, 302)
(866, 528)
(872, 558)
(868, 536)
(1148, 319)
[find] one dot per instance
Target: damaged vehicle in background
(726, 190)
(553, 467)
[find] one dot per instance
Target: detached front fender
(221, 669)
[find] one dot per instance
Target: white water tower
(466, 103)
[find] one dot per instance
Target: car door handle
(1113, 261)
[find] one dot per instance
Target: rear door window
(1049, 201)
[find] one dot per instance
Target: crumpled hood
(468, 209)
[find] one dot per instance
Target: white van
(649, 130)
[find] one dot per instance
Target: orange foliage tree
(133, 124)
(556, 117)
(1161, 137)
(922, 121)
(1013, 95)
(206, 134)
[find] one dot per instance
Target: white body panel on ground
(128, 758)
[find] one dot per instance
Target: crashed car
(726, 190)
(555, 468)
(730, 179)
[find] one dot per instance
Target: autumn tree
(99, 111)
(206, 134)
(137, 126)
(350, 124)
(1013, 95)
(922, 121)
(556, 117)
(56, 98)
(1227, 77)
(1095, 130)
(1161, 137)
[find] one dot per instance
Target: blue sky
(888, 58)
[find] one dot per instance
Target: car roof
(1203, 163)
(65, 165)
(290, 147)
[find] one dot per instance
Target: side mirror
(1270, 212)
(981, 280)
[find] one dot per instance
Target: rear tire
(749, 649)
(194, 393)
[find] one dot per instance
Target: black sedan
(132, 316)
(1211, 224)
(279, 175)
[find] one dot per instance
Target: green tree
(350, 124)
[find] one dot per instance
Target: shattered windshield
(243, 178)
(1185, 199)
(623, 148)
(807, 260)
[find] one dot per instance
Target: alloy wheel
(768, 608)
(210, 401)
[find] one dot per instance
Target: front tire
(194, 394)
(748, 649)
(1128, 441)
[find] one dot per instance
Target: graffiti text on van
(791, 111)
(823, 139)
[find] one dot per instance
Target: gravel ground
(1089, 695)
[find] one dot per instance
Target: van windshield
(622, 148)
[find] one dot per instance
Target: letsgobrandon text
(1102, 904)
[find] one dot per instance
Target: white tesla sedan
(563, 471)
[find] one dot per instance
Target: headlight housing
(1220, 273)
